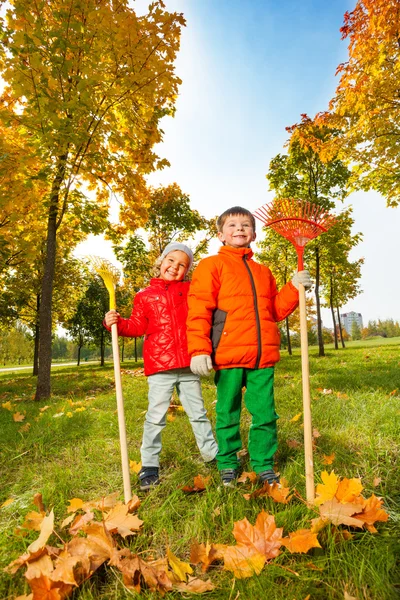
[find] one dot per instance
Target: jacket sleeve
(136, 325)
(285, 301)
(202, 301)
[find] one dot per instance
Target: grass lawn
(71, 449)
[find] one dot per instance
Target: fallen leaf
(199, 485)
(119, 520)
(133, 504)
(372, 512)
(277, 492)
(328, 488)
(295, 418)
(195, 586)
(135, 570)
(38, 502)
(316, 433)
(33, 520)
(67, 521)
(7, 502)
(301, 541)
(104, 503)
(205, 554)
(348, 597)
(377, 481)
(39, 567)
(264, 537)
(293, 443)
(243, 561)
(80, 522)
(18, 417)
(348, 490)
(7, 405)
(64, 568)
(45, 589)
(393, 393)
(251, 476)
(134, 466)
(46, 530)
(328, 460)
(325, 392)
(44, 408)
(74, 505)
(340, 514)
(180, 568)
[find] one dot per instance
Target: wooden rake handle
(121, 416)
(308, 449)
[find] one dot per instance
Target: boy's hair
(235, 210)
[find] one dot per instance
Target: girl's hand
(111, 317)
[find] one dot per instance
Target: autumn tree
(366, 105)
(86, 85)
(302, 174)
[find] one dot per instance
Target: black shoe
(228, 477)
(269, 476)
(148, 477)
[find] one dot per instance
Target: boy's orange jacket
(234, 306)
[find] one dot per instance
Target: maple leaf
(295, 418)
(119, 520)
(38, 502)
(340, 514)
(251, 476)
(74, 505)
(134, 466)
(179, 567)
(275, 491)
(348, 490)
(328, 460)
(264, 537)
(135, 570)
(42, 566)
(133, 504)
(377, 481)
(18, 417)
(46, 530)
(64, 568)
(45, 589)
(243, 561)
(293, 443)
(7, 405)
(372, 512)
(95, 549)
(328, 488)
(25, 428)
(301, 541)
(103, 503)
(195, 586)
(205, 554)
(80, 522)
(200, 484)
(33, 520)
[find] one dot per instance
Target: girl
(159, 313)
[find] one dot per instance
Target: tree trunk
(43, 387)
(135, 349)
(318, 305)
(333, 314)
(289, 343)
(79, 355)
(102, 348)
(340, 327)
(37, 338)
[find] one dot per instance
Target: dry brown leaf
(316, 433)
(275, 491)
(67, 521)
(246, 475)
(195, 586)
(136, 571)
(38, 502)
(42, 566)
(74, 505)
(95, 549)
(64, 568)
(25, 597)
(103, 504)
(205, 554)
(133, 504)
(293, 443)
(264, 536)
(372, 512)
(18, 417)
(119, 520)
(340, 514)
(46, 529)
(318, 524)
(180, 568)
(33, 520)
(199, 485)
(328, 460)
(45, 589)
(243, 561)
(25, 428)
(7, 405)
(327, 489)
(377, 481)
(301, 541)
(80, 521)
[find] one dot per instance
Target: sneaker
(269, 476)
(228, 477)
(148, 477)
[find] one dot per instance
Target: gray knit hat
(178, 246)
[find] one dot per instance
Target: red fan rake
(296, 220)
(299, 222)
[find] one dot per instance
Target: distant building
(349, 318)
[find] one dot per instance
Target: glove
(201, 364)
(302, 277)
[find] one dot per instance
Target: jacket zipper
(258, 325)
(175, 328)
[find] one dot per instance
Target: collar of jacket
(158, 282)
(236, 252)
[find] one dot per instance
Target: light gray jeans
(161, 387)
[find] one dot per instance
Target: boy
(234, 306)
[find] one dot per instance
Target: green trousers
(259, 400)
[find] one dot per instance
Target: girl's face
(174, 266)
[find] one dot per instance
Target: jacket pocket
(217, 327)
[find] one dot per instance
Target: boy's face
(237, 232)
(174, 266)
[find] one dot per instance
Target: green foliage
(355, 331)
(385, 328)
(16, 345)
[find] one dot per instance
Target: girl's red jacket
(159, 313)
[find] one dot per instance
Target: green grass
(77, 455)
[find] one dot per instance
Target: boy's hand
(302, 277)
(201, 364)
(111, 317)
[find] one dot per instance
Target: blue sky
(249, 69)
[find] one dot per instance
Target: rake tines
(296, 220)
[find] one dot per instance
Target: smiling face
(237, 231)
(174, 266)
